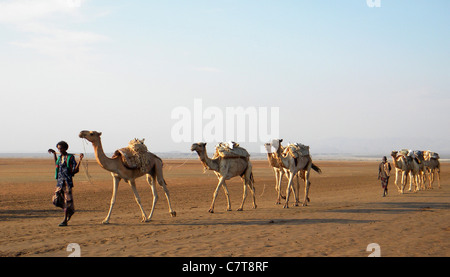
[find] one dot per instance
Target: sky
(344, 76)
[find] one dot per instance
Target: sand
(347, 212)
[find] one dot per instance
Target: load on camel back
(418, 155)
(229, 150)
(297, 150)
(135, 155)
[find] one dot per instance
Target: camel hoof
(304, 204)
(105, 222)
(173, 214)
(285, 206)
(240, 209)
(211, 211)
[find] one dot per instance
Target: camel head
(198, 147)
(394, 154)
(91, 136)
(275, 145)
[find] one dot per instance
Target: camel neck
(207, 162)
(272, 160)
(283, 161)
(101, 157)
(395, 162)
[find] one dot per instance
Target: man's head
(62, 147)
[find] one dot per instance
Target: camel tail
(316, 168)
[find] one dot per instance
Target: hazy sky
(344, 75)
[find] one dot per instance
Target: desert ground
(347, 212)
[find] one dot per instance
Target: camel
(424, 170)
(433, 168)
(406, 166)
(279, 170)
(415, 173)
(120, 171)
(302, 164)
(225, 169)
(400, 168)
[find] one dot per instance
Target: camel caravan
(418, 166)
(231, 160)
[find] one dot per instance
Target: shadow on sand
(29, 214)
(396, 208)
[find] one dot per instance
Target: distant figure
(66, 168)
(384, 171)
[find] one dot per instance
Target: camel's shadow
(396, 208)
(269, 222)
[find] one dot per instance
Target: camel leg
(155, 196)
(276, 183)
(251, 185)
(419, 183)
(416, 182)
(227, 195)
(221, 181)
(428, 175)
(278, 179)
(396, 180)
(116, 181)
(162, 183)
(423, 179)
(410, 181)
(138, 200)
(403, 182)
(288, 190)
(244, 195)
(438, 174)
(282, 174)
(307, 185)
(432, 174)
(296, 189)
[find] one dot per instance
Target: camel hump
(135, 155)
(230, 150)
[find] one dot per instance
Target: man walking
(384, 171)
